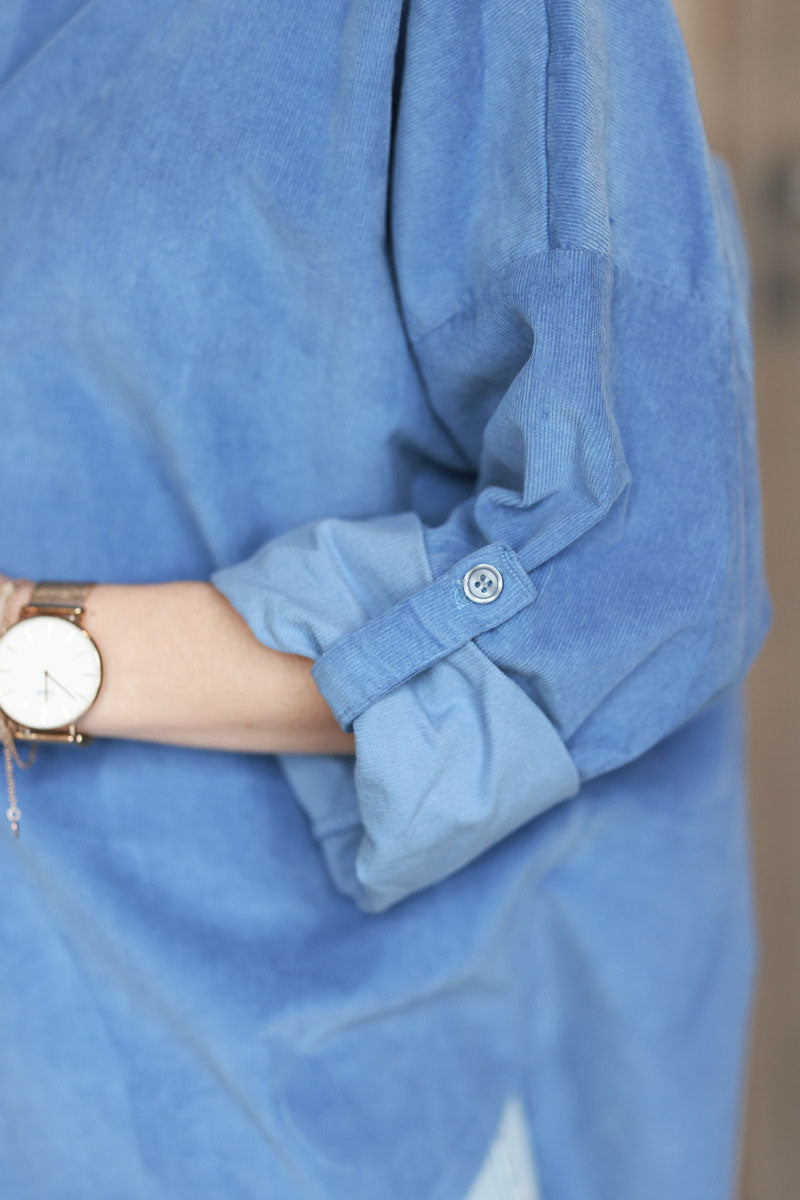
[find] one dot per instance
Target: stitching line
(516, 259)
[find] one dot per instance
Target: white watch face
(50, 672)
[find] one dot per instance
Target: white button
(483, 583)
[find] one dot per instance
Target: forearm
(181, 666)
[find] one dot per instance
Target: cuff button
(483, 583)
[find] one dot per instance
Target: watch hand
(49, 676)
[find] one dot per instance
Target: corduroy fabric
(325, 303)
(418, 632)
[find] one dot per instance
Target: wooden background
(746, 60)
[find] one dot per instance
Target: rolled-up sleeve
(603, 582)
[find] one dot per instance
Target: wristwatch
(50, 666)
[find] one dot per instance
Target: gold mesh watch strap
(55, 593)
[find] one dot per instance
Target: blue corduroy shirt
(329, 303)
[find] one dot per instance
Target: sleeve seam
(722, 311)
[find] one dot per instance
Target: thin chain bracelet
(10, 751)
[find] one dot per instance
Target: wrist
(17, 601)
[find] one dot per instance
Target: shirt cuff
(451, 754)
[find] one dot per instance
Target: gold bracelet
(10, 751)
